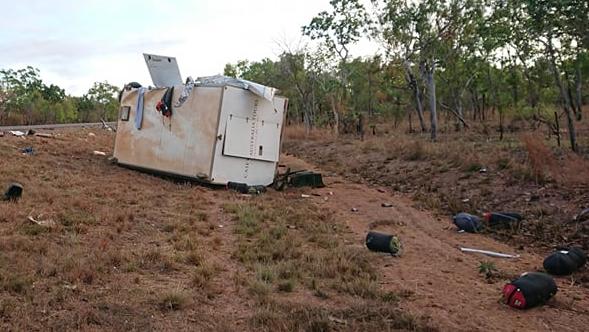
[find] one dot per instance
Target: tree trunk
(459, 110)
(412, 82)
(335, 115)
(563, 95)
(431, 84)
(578, 87)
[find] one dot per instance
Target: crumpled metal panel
(220, 80)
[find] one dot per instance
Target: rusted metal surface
(181, 144)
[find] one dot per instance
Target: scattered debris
(380, 190)
(467, 222)
(99, 153)
(291, 226)
(502, 219)
(70, 287)
(488, 253)
(30, 132)
(44, 223)
(466, 200)
(306, 179)
(1, 134)
(305, 196)
(301, 178)
(483, 170)
(246, 189)
(27, 151)
(386, 205)
(220, 226)
(529, 290)
(565, 262)
(316, 194)
(354, 209)
(13, 193)
(330, 193)
(383, 243)
(106, 126)
(44, 135)
(17, 133)
(91, 135)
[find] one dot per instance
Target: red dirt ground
(133, 251)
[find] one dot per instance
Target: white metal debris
(488, 253)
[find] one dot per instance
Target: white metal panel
(163, 70)
(244, 104)
(247, 138)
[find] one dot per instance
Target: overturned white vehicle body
(215, 129)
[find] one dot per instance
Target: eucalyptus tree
(422, 35)
(558, 27)
(338, 30)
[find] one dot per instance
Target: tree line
(25, 99)
(465, 59)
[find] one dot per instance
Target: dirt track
(445, 284)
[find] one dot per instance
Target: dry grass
(468, 172)
(289, 246)
(298, 132)
(132, 251)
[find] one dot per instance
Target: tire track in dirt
(445, 283)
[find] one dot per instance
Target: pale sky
(75, 43)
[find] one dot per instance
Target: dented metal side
(181, 144)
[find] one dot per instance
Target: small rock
(354, 210)
(386, 205)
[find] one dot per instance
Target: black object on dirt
(383, 243)
(565, 262)
(246, 189)
(13, 193)
(28, 150)
(302, 178)
(529, 290)
(306, 179)
(502, 219)
(467, 222)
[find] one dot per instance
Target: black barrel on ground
(529, 290)
(14, 192)
(502, 219)
(383, 243)
(565, 262)
(467, 222)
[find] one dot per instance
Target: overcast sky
(75, 43)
